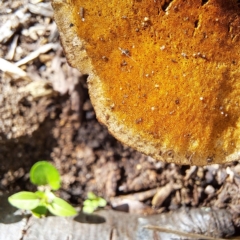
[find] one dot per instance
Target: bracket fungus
(164, 75)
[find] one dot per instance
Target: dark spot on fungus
(123, 63)
(238, 3)
(139, 120)
(196, 23)
(168, 154)
(209, 160)
(104, 58)
(204, 2)
(177, 101)
(166, 5)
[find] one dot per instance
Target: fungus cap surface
(163, 75)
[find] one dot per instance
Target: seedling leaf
(59, 207)
(40, 194)
(44, 173)
(39, 211)
(24, 200)
(102, 202)
(92, 203)
(88, 202)
(88, 209)
(91, 196)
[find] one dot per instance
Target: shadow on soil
(89, 218)
(9, 214)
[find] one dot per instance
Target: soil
(46, 114)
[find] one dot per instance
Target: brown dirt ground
(53, 119)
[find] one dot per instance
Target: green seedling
(47, 178)
(92, 203)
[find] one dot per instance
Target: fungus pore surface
(164, 75)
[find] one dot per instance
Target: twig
(43, 49)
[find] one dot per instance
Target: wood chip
(13, 70)
(140, 196)
(162, 195)
(43, 9)
(12, 49)
(8, 29)
(190, 172)
(38, 89)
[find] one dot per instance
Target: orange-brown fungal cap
(163, 75)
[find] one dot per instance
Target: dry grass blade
(43, 49)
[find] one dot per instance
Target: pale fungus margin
(163, 75)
